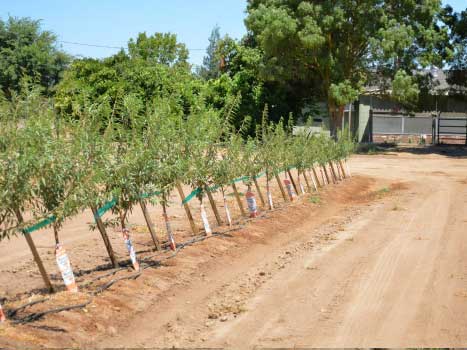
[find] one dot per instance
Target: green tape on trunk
(191, 195)
(40, 225)
(243, 178)
(260, 175)
(107, 206)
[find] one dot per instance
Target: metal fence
(401, 125)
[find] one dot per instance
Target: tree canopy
(27, 50)
(345, 45)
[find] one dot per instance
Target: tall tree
(162, 48)
(457, 24)
(27, 50)
(341, 44)
(212, 60)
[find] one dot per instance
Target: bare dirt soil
(379, 260)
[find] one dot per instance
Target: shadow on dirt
(456, 151)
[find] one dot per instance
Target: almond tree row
(54, 168)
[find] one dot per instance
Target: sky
(113, 22)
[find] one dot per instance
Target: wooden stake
(36, 256)
(105, 237)
(194, 228)
(239, 200)
(260, 194)
(214, 207)
(281, 187)
(297, 190)
(150, 224)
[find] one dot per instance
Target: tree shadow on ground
(455, 151)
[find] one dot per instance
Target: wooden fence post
(194, 228)
(150, 224)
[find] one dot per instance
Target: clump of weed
(381, 192)
(315, 199)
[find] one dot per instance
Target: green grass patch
(315, 199)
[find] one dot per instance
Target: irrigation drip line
(38, 315)
(144, 265)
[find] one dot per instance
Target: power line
(106, 46)
(92, 45)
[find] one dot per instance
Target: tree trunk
(316, 176)
(194, 228)
(168, 227)
(343, 169)
(281, 187)
(105, 237)
(55, 228)
(326, 174)
(214, 207)
(260, 194)
(150, 224)
(35, 254)
(333, 173)
(239, 200)
(306, 180)
(293, 182)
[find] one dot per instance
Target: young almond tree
(271, 153)
(345, 147)
(54, 180)
(163, 138)
(17, 166)
(228, 167)
(298, 150)
(127, 172)
(253, 166)
(90, 148)
(202, 131)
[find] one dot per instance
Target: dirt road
(380, 261)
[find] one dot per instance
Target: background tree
(337, 45)
(212, 61)
(457, 24)
(155, 67)
(27, 50)
(161, 48)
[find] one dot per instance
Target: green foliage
(337, 50)
(213, 60)
(160, 48)
(405, 89)
(155, 68)
(27, 50)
